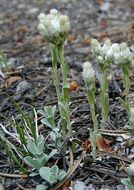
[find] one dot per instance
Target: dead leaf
(86, 145)
(73, 86)
(86, 41)
(71, 38)
(103, 144)
(65, 186)
(100, 2)
(22, 29)
(9, 81)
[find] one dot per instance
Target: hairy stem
(104, 98)
(66, 98)
(91, 100)
(127, 85)
(55, 71)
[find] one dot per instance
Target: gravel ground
(30, 59)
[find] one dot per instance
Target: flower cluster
(54, 27)
(120, 54)
(89, 76)
(101, 52)
(123, 55)
(88, 72)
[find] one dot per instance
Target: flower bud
(115, 48)
(88, 72)
(105, 47)
(95, 46)
(123, 46)
(100, 59)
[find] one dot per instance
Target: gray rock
(23, 86)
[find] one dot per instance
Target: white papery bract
(105, 48)
(115, 48)
(101, 51)
(124, 56)
(120, 54)
(88, 72)
(54, 26)
(95, 46)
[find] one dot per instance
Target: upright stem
(127, 85)
(91, 100)
(104, 98)
(66, 98)
(55, 71)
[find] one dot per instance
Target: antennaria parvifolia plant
(54, 27)
(89, 78)
(101, 53)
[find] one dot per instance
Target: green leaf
(49, 174)
(54, 151)
(32, 148)
(54, 173)
(128, 184)
(45, 174)
(61, 175)
(41, 112)
(46, 122)
(32, 162)
(53, 110)
(40, 144)
(43, 159)
(37, 162)
(41, 187)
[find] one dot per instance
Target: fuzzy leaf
(41, 187)
(37, 162)
(31, 162)
(40, 144)
(32, 148)
(45, 173)
(61, 175)
(54, 151)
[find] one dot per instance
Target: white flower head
(105, 48)
(95, 46)
(130, 169)
(104, 53)
(88, 72)
(122, 54)
(54, 26)
(115, 48)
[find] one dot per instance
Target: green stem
(71, 156)
(127, 85)
(66, 98)
(91, 100)
(55, 71)
(104, 98)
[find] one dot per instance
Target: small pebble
(23, 86)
